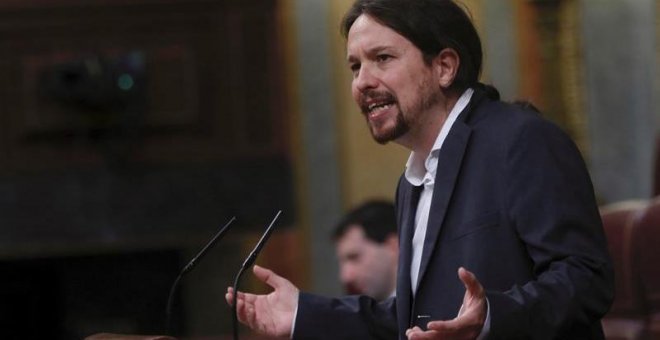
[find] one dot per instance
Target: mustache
(374, 96)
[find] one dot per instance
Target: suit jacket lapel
(449, 164)
(408, 198)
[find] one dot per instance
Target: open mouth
(376, 107)
(374, 104)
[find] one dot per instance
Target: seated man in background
(367, 250)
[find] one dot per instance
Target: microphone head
(207, 247)
(190, 266)
(249, 261)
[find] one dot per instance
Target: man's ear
(446, 64)
(392, 243)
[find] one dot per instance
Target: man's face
(392, 85)
(366, 267)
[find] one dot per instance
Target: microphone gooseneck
(249, 261)
(190, 267)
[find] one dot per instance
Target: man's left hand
(470, 320)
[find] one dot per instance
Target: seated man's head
(368, 249)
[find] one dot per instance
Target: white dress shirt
(420, 171)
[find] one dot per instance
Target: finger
(410, 331)
(247, 297)
(421, 335)
(269, 277)
(250, 315)
(461, 310)
(229, 296)
(240, 311)
(448, 326)
(414, 329)
(470, 282)
(244, 303)
(245, 309)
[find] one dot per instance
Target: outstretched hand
(470, 320)
(270, 314)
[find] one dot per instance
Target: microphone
(249, 261)
(192, 265)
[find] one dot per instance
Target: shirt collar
(416, 167)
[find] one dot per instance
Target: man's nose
(346, 274)
(365, 79)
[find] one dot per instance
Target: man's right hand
(270, 314)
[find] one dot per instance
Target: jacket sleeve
(551, 203)
(350, 317)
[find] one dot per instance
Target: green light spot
(125, 82)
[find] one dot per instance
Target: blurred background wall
(131, 130)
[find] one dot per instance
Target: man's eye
(355, 68)
(383, 57)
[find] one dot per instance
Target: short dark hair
(377, 218)
(431, 25)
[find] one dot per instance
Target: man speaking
(500, 235)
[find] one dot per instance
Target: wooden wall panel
(203, 87)
(133, 123)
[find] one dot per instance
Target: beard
(400, 128)
(405, 118)
(382, 134)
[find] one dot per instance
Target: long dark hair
(431, 25)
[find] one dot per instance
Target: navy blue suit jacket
(514, 204)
